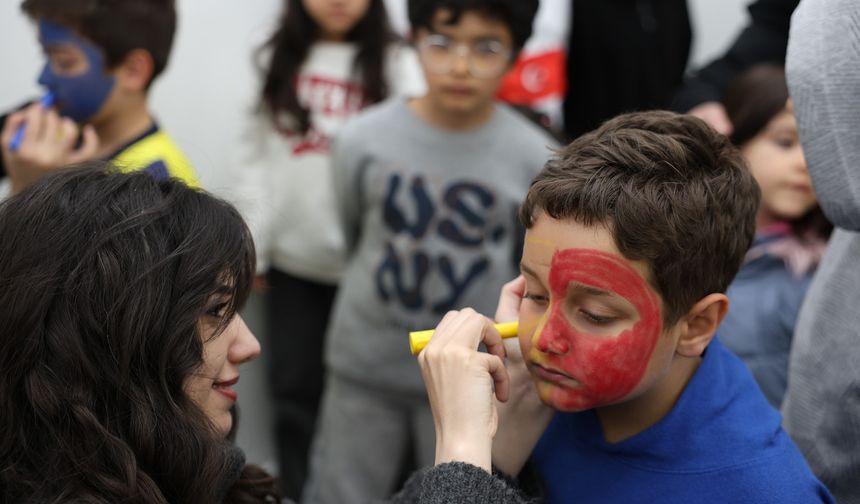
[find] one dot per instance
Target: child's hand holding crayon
(37, 140)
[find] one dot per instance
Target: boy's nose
(460, 65)
(45, 75)
(550, 339)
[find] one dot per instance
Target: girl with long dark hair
(791, 230)
(326, 61)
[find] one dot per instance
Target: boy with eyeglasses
(428, 191)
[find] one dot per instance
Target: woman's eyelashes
(217, 310)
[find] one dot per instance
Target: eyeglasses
(485, 58)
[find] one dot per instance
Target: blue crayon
(47, 102)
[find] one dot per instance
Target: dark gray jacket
(459, 483)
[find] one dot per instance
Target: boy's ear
(135, 71)
(702, 322)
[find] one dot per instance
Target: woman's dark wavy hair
(289, 46)
(752, 100)
(104, 279)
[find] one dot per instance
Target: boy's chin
(462, 106)
(565, 399)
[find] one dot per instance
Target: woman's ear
(702, 322)
(135, 71)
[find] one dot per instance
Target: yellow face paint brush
(419, 339)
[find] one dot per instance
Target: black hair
(105, 278)
(753, 98)
(518, 15)
(288, 47)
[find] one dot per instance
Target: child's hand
(510, 299)
(523, 418)
(460, 382)
(48, 143)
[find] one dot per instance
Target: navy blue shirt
(721, 442)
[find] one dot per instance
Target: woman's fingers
(460, 381)
(501, 382)
(464, 328)
(493, 340)
(461, 332)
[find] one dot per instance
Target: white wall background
(209, 85)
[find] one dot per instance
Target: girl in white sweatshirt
(325, 62)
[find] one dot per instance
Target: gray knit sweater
(459, 483)
(822, 403)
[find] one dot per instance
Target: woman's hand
(460, 383)
(523, 418)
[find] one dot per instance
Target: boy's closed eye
(596, 319)
(600, 316)
(66, 60)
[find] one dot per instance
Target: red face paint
(606, 367)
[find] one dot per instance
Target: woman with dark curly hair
(121, 342)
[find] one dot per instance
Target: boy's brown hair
(673, 192)
(117, 27)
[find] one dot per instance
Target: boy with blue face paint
(80, 96)
(101, 60)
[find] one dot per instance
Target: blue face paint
(78, 97)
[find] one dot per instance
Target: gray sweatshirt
(430, 222)
(822, 404)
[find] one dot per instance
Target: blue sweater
(721, 443)
(764, 300)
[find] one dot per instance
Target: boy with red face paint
(634, 232)
(102, 57)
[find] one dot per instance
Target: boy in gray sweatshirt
(428, 189)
